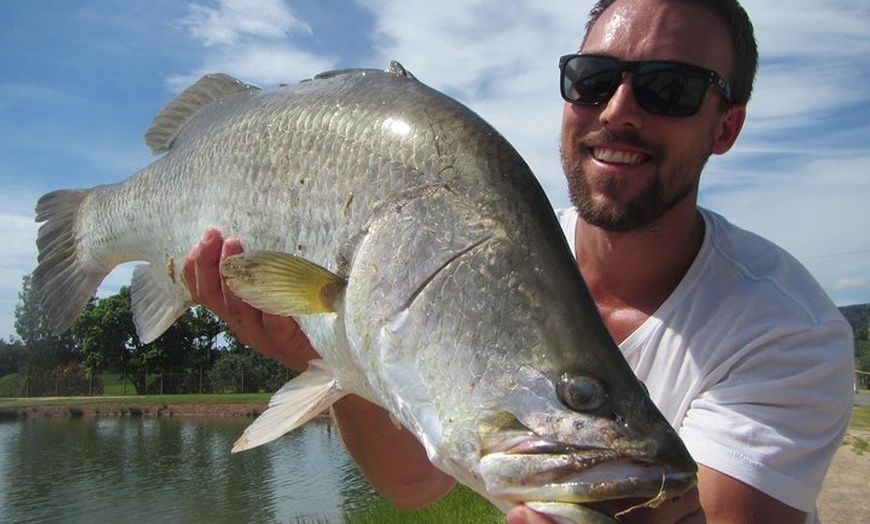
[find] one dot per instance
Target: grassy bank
(248, 405)
(148, 400)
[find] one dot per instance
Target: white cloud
(235, 21)
(18, 232)
(252, 40)
(850, 283)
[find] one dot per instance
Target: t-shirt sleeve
(777, 411)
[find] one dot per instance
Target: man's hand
(685, 509)
(523, 515)
(275, 336)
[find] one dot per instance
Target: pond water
(172, 469)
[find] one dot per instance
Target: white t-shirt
(750, 361)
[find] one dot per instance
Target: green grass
(860, 419)
(860, 423)
(113, 384)
(460, 505)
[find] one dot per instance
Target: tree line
(197, 354)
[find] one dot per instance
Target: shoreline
(121, 408)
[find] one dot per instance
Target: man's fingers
(200, 269)
(523, 515)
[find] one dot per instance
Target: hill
(857, 315)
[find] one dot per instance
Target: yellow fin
(281, 283)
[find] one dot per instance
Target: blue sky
(81, 81)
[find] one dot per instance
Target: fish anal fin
(155, 301)
(171, 119)
(300, 400)
(281, 283)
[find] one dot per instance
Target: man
(738, 345)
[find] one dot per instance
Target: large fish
(421, 258)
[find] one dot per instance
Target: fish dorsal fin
(281, 283)
(175, 114)
(300, 400)
(399, 70)
(395, 68)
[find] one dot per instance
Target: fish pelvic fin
(172, 118)
(62, 279)
(281, 283)
(300, 400)
(155, 302)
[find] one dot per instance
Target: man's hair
(742, 41)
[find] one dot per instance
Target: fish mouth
(520, 466)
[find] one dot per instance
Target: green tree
(107, 340)
(45, 350)
(12, 357)
(105, 334)
(246, 371)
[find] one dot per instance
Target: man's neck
(631, 274)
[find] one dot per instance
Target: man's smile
(618, 156)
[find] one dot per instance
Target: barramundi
(420, 256)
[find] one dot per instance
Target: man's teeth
(616, 156)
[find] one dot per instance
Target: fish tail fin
(300, 400)
(62, 279)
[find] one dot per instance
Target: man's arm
(728, 500)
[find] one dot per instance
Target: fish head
(584, 433)
(576, 428)
(503, 370)
(564, 460)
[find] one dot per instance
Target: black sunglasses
(662, 87)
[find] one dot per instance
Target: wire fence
(192, 381)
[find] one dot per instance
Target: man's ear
(730, 124)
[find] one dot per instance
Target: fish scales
(420, 256)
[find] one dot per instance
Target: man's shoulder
(759, 274)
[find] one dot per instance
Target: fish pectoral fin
(300, 400)
(281, 283)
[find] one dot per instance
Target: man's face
(626, 167)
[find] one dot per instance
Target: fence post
(862, 379)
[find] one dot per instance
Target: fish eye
(581, 391)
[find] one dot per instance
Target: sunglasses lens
(589, 79)
(661, 87)
(670, 89)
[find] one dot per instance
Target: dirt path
(845, 497)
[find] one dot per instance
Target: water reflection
(172, 470)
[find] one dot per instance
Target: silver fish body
(447, 293)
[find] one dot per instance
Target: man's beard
(644, 210)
